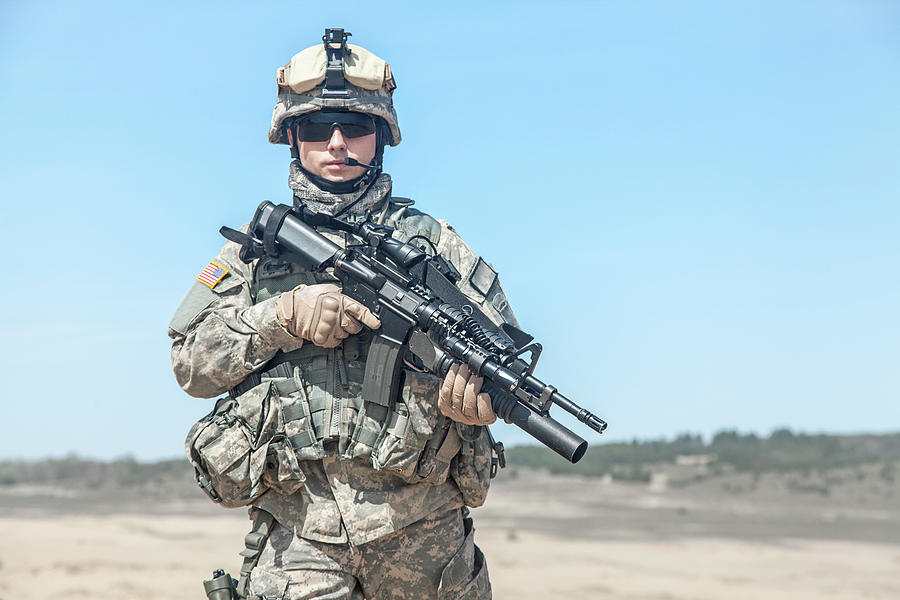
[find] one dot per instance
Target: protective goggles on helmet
(318, 126)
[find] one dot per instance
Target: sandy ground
(544, 537)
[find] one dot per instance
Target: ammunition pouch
(239, 450)
(433, 447)
(475, 465)
(255, 440)
(420, 452)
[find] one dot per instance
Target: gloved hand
(322, 315)
(462, 400)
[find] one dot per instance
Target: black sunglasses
(318, 126)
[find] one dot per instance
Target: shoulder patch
(212, 274)
(482, 277)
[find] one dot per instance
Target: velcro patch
(212, 274)
(482, 277)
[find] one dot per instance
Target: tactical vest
(322, 388)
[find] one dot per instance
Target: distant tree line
(82, 472)
(782, 451)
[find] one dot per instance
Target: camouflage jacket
(352, 490)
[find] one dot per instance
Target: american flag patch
(212, 274)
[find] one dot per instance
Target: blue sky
(693, 206)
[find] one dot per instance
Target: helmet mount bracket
(335, 40)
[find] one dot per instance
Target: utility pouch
(473, 467)
(238, 450)
(434, 463)
(421, 451)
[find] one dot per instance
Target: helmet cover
(368, 87)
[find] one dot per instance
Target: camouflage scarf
(318, 200)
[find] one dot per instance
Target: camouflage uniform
(353, 493)
(433, 558)
(368, 500)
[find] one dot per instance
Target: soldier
(349, 498)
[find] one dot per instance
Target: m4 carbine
(426, 321)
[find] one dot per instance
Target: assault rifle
(426, 321)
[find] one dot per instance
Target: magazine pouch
(239, 449)
(472, 466)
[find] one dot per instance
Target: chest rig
(325, 385)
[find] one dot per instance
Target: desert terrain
(545, 536)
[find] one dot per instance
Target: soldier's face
(326, 159)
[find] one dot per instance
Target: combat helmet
(335, 76)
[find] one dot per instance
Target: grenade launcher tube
(545, 429)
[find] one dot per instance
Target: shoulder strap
(410, 222)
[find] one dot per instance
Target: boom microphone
(352, 162)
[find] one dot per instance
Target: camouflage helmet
(334, 76)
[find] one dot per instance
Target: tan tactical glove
(462, 400)
(322, 314)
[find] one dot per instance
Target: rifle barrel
(582, 414)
